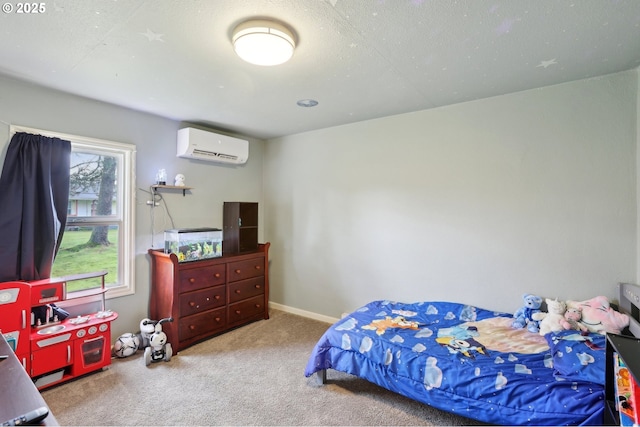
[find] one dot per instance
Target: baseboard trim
(303, 313)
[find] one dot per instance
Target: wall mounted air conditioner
(202, 145)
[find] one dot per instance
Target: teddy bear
(551, 321)
(571, 320)
(522, 317)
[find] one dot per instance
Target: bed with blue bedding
(469, 361)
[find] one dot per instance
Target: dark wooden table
(18, 393)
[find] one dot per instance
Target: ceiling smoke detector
(307, 103)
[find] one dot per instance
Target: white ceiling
(360, 59)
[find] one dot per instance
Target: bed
(469, 361)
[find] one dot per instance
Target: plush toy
(522, 317)
(551, 321)
(599, 317)
(179, 180)
(571, 320)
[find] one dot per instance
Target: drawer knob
(192, 304)
(192, 327)
(192, 280)
(238, 271)
(257, 305)
(217, 275)
(238, 291)
(218, 319)
(258, 267)
(217, 297)
(258, 286)
(238, 312)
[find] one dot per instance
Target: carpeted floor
(253, 375)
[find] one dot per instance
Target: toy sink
(50, 330)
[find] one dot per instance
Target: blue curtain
(34, 194)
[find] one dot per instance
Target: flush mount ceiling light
(263, 42)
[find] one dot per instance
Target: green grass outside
(74, 258)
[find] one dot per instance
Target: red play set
(57, 336)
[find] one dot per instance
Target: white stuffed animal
(553, 320)
(179, 181)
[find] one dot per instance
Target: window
(99, 233)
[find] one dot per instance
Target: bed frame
(629, 303)
(472, 388)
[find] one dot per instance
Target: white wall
(477, 202)
(155, 139)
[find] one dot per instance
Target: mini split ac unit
(202, 145)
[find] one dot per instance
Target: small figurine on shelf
(179, 180)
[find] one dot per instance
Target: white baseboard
(303, 313)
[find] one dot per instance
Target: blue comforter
(469, 361)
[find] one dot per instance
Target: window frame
(126, 247)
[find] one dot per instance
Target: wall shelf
(157, 187)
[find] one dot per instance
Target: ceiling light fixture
(263, 42)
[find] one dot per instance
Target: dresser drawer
(247, 269)
(246, 309)
(201, 324)
(204, 277)
(246, 289)
(205, 299)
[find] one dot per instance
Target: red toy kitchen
(57, 336)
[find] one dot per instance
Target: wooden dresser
(208, 297)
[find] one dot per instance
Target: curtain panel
(34, 198)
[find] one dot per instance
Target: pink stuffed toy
(572, 320)
(599, 317)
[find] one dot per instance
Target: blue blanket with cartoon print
(469, 361)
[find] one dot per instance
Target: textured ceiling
(360, 59)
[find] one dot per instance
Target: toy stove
(56, 346)
(72, 347)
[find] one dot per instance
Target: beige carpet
(253, 375)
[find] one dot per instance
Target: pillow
(578, 357)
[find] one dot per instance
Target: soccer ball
(126, 345)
